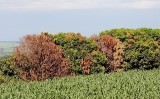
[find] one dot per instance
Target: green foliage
(9, 79)
(76, 47)
(142, 46)
(2, 80)
(7, 68)
(98, 62)
(123, 85)
(8, 71)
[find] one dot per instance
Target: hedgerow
(45, 56)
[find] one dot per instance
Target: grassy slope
(123, 85)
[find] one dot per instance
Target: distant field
(6, 47)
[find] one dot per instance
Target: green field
(122, 85)
(6, 47)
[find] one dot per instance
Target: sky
(88, 17)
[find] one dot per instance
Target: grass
(123, 85)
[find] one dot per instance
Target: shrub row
(46, 55)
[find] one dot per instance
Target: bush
(7, 67)
(39, 58)
(142, 46)
(112, 48)
(79, 50)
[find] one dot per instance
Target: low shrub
(142, 46)
(39, 58)
(7, 67)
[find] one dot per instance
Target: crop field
(6, 47)
(133, 84)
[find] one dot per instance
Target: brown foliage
(106, 44)
(112, 48)
(39, 58)
(86, 64)
(118, 55)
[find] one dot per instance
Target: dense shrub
(7, 67)
(82, 52)
(112, 48)
(142, 46)
(39, 58)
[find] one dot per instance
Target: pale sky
(21, 17)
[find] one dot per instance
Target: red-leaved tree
(39, 58)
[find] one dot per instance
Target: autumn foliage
(112, 48)
(44, 56)
(39, 58)
(86, 64)
(79, 49)
(142, 47)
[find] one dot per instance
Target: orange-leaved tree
(39, 58)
